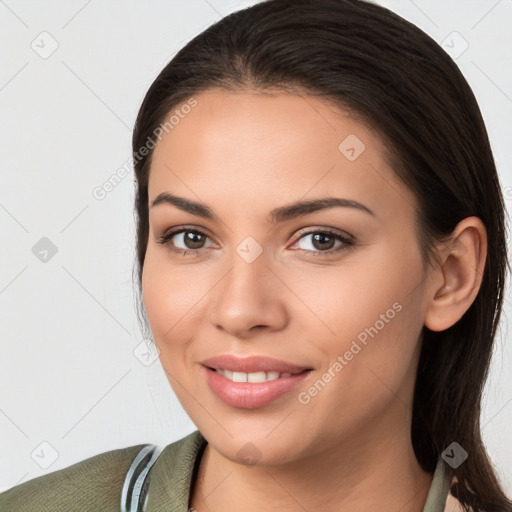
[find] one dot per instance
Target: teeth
(252, 377)
(257, 377)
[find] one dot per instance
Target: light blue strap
(134, 494)
(439, 489)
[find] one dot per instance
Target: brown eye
(184, 240)
(193, 239)
(323, 241)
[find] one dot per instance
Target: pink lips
(248, 395)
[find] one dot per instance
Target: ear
(456, 283)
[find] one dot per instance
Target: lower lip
(249, 395)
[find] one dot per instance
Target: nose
(248, 299)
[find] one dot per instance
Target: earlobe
(460, 275)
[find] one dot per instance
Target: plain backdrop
(73, 380)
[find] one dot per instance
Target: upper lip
(252, 364)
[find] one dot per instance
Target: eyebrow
(279, 214)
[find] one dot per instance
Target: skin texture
(243, 154)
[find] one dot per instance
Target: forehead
(281, 146)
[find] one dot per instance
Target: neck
(376, 470)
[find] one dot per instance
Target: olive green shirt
(95, 484)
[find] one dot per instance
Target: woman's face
(257, 281)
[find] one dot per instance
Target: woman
(318, 272)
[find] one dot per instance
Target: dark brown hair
(365, 58)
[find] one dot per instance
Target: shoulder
(453, 504)
(92, 484)
(172, 474)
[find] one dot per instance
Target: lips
(252, 382)
(252, 364)
(249, 395)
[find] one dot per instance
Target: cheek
(170, 311)
(172, 300)
(372, 316)
(365, 290)
(368, 373)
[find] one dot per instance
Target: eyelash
(347, 242)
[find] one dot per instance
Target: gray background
(74, 380)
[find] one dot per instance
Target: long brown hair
(365, 58)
